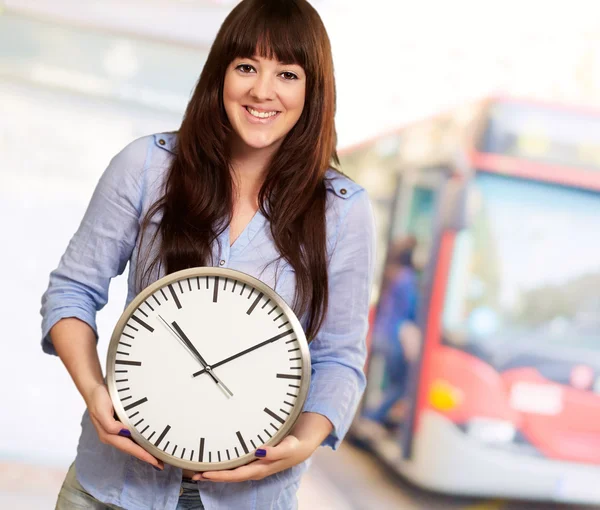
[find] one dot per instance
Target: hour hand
(178, 332)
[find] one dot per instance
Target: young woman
(246, 183)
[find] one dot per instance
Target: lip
(255, 120)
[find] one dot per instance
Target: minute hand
(250, 349)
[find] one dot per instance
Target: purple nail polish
(260, 453)
(124, 433)
(157, 469)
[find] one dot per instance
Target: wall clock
(205, 365)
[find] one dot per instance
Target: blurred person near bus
(396, 337)
(246, 182)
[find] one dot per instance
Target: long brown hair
(198, 197)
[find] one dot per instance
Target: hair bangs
(272, 31)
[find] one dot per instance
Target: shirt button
(343, 191)
(222, 262)
(161, 141)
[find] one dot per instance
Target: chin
(260, 144)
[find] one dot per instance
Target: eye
(245, 68)
(287, 75)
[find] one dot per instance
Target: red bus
(484, 362)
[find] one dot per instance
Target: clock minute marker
(216, 290)
(253, 306)
(142, 323)
(175, 298)
(126, 362)
(135, 404)
(162, 435)
(289, 376)
(242, 442)
(273, 415)
(183, 453)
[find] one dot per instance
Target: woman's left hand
(288, 453)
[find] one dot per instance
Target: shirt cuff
(335, 395)
(64, 313)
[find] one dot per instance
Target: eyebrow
(279, 61)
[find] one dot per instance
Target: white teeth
(260, 115)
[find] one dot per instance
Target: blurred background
(475, 127)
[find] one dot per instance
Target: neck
(249, 167)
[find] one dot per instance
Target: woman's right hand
(101, 413)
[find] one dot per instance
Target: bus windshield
(546, 135)
(527, 271)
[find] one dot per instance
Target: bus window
(526, 275)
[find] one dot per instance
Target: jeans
(73, 496)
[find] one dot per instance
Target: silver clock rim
(171, 278)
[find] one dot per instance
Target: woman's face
(263, 99)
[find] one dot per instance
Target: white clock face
(205, 366)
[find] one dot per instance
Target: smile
(260, 115)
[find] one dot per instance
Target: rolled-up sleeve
(338, 351)
(101, 246)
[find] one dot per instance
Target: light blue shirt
(107, 239)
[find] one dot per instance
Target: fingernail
(157, 468)
(124, 433)
(260, 453)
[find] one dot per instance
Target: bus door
(449, 216)
(396, 332)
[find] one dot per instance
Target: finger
(126, 445)
(254, 471)
(104, 413)
(286, 448)
(131, 448)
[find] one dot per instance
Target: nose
(263, 87)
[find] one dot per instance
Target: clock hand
(177, 331)
(250, 349)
